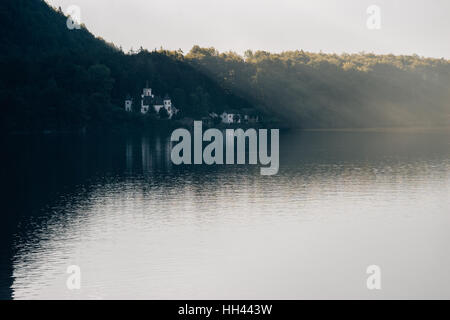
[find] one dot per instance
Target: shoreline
(233, 126)
(381, 129)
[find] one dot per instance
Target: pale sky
(407, 26)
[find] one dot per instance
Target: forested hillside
(316, 90)
(56, 78)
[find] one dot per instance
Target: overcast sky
(407, 26)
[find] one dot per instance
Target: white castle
(150, 103)
(148, 100)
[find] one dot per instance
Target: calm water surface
(140, 227)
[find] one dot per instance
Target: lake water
(140, 227)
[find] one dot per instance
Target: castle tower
(168, 105)
(167, 101)
(128, 104)
(147, 92)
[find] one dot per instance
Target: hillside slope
(316, 90)
(56, 78)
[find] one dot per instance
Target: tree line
(53, 78)
(318, 90)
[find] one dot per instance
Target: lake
(141, 228)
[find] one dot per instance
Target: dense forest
(316, 90)
(54, 78)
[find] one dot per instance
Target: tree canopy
(56, 78)
(319, 90)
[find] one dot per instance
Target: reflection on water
(140, 227)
